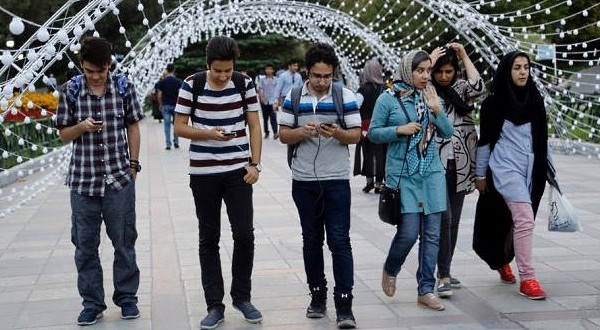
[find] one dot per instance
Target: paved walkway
(37, 274)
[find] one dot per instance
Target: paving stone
(38, 280)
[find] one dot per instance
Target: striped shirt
(221, 108)
(99, 159)
(320, 158)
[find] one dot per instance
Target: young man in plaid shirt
(99, 113)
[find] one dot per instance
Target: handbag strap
(407, 140)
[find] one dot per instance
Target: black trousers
(209, 192)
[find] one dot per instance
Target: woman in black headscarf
(458, 152)
(512, 163)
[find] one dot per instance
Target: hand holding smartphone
(98, 122)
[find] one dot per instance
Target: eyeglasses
(320, 76)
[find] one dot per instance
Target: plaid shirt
(99, 159)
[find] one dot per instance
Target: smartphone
(328, 125)
(228, 133)
(98, 122)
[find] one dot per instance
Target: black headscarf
(492, 235)
(522, 102)
(447, 93)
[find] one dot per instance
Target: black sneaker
(318, 303)
(213, 319)
(444, 290)
(251, 314)
(343, 307)
(176, 146)
(88, 316)
(129, 310)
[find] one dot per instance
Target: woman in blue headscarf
(406, 117)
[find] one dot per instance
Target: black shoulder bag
(389, 198)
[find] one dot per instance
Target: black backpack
(337, 94)
(200, 81)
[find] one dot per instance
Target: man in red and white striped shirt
(224, 163)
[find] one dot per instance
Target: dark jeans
(269, 113)
(427, 229)
(209, 192)
(117, 210)
(450, 222)
(324, 207)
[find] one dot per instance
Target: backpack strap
(73, 89)
(295, 96)
(197, 88)
(239, 81)
(119, 81)
(337, 92)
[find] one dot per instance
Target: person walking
(268, 98)
(373, 154)
(320, 179)
(168, 89)
(287, 80)
(224, 164)
(407, 117)
(513, 159)
(458, 152)
(99, 114)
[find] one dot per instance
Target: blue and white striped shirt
(320, 158)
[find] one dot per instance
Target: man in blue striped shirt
(224, 164)
(287, 80)
(321, 180)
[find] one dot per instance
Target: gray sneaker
(455, 283)
(213, 319)
(444, 290)
(251, 314)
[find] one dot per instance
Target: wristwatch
(135, 166)
(258, 166)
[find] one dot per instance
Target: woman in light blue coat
(407, 117)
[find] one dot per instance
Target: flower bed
(31, 104)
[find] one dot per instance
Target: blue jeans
(450, 222)
(209, 193)
(427, 228)
(324, 207)
(168, 112)
(117, 210)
